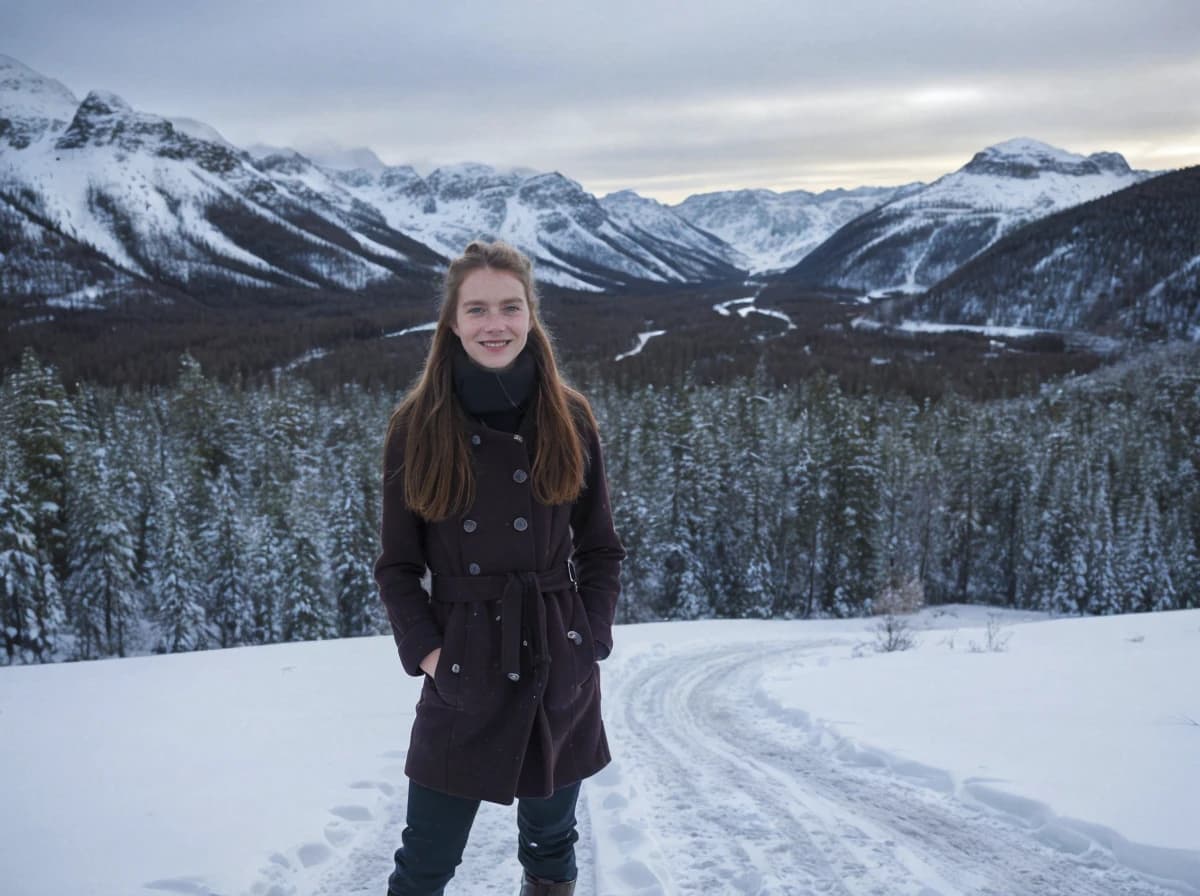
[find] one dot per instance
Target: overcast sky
(668, 99)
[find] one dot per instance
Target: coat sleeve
(401, 566)
(597, 549)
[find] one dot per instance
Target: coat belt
(521, 608)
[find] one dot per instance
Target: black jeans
(438, 825)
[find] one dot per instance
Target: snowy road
(736, 800)
(717, 791)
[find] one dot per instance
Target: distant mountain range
(99, 202)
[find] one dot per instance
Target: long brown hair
(438, 478)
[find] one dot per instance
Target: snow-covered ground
(928, 326)
(642, 338)
(419, 328)
(751, 757)
(746, 306)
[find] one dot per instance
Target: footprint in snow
(352, 813)
(337, 834)
(313, 854)
(640, 879)
(615, 801)
(382, 786)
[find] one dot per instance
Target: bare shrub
(996, 637)
(893, 631)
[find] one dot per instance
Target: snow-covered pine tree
(39, 417)
(1004, 495)
(31, 610)
(353, 537)
(307, 612)
(961, 504)
(849, 509)
(267, 540)
(101, 594)
(223, 546)
(175, 582)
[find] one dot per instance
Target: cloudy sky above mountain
(665, 98)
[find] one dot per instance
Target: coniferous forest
(213, 514)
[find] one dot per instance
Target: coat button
(575, 636)
(520, 476)
(473, 569)
(517, 438)
(475, 440)
(520, 524)
(456, 668)
(514, 676)
(469, 525)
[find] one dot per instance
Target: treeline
(749, 501)
(214, 514)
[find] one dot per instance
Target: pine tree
(177, 595)
(31, 610)
(308, 611)
(226, 601)
(102, 596)
(39, 417)
(353, 537)
(850, 509)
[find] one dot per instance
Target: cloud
(642, 94)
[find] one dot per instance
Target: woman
(494, 481)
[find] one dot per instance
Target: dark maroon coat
(514, 709)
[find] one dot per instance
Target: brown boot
(537, 886)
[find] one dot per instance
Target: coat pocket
(447, 677)
(580, 636)
(574, 655)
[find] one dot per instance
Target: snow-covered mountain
(576, 239)
(773, 231)
(1124, 263)
(97, 197)
(127, 196)
(172, 202)
(678, 242)
(917, 239)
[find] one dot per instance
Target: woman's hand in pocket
(430, 663)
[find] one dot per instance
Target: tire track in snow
(715, 795)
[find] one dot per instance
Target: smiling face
(491, 317)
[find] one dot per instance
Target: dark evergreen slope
(1128, 263)
(36, 259)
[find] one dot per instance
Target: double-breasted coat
(514, 707)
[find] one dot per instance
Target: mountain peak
(104, 102)
(100, 119)
(1028, 147)
(16, 78)
(31, 104)
(1026, 158)
(342, 159)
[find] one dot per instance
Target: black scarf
(497, 397)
